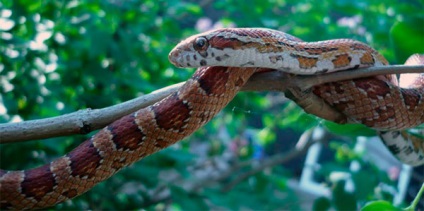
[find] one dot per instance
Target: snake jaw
(185, 55)
(183, 58)
(174, 57)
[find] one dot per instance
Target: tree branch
(360, 73)
(87, 120)
(79, 122)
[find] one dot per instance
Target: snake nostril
(173, 56)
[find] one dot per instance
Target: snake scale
(226, 59)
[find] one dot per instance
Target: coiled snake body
(235, 55)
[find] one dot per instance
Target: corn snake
(148, 130)
(377, 102)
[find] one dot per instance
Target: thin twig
(85, 121)
(310, 81)
(268, 163)
(304, 143)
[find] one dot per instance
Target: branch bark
(87, 120)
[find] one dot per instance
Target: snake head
(220, 47)
(191, 52)
(237, 47)
(206, 49)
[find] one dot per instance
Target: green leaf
(352, 130)
(365, 182)
(408, 38)
(342, 199)
(379, 205)
(266, 136)
(321, 203)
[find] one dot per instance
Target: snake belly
(377, 102)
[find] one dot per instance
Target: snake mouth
(175, 58)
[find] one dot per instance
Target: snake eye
(200, 43)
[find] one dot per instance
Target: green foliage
(58, 57)
(321, 203)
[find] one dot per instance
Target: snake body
(148, 130)
(377, 102)
(125, 141)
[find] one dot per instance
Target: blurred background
(57, 57)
